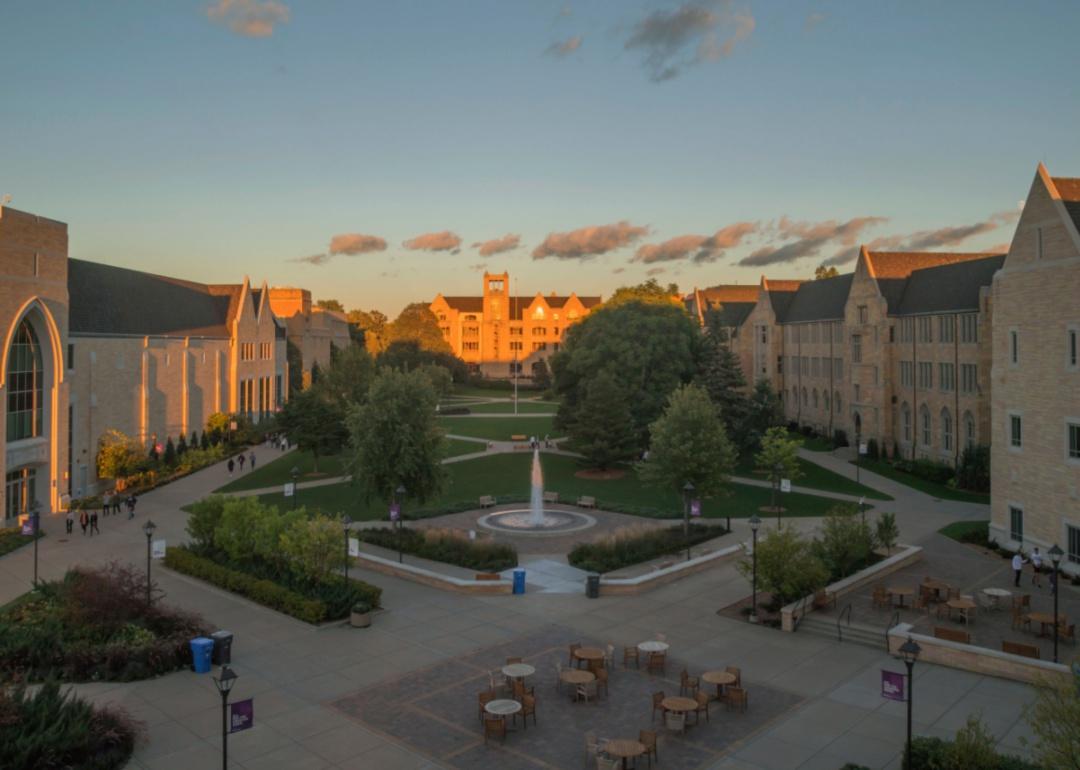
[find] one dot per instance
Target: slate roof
(476, 304)
(466, 304)
(822, 300)
(731, 313)
(106, 300)
(947, 288)
(1069, 190)
(892, 268)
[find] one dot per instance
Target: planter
(359, 619)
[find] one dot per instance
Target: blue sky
(180, 141)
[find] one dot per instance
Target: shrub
(635, 544)
(930, 470)
(840, 438)
(313, 547)
(119, 455)
(204, 519)
(872, 451)
(886, 532)
(974, 471)
(452, 410)
(447, 546)
(846, 543)
(786, 566)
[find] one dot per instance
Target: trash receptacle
(202, 650)
(222, 647)
(592, 587)
(519, 581)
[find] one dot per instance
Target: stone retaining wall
(429, 578)
(651, 580)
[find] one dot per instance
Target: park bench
(586, 501)
(487, 501)
(519, 437)
(551, 497)
(487, 576)
(952, 635)
(1019, 648)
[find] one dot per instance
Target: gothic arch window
(925, 426)
(969, 430)
(25, 382)
(815, 396)
(805, 398)
(825, 396)
(946, 430)
(905, 422)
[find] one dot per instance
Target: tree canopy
(314, 423)
(779, 456)
(408, 355)
(370, 326)
(762, 413)
(721, 375)
(648, 291)
(603, 431)
(330, 304)
(822, 272)
(416, 323)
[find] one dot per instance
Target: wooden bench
(1019, 648)
(586, 501)
(551, 497)
(487, 576)
(487, 501)
(952, 635)
(519, 437)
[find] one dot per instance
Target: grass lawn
(815, 477)
(507, 407)
(967, 531)
(277, 471)
(812, 443)
(507, 475)
(504, 390)
(929, 487)
(498, 428)
(457, 446)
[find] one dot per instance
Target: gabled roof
(950, 288)
(781, 293)
(517, 304)
(1069, 190)
(466, 304)
(106, 300)
(892, 268)
(733, 301)
(731, 313)
(731, 292)
(821, 300)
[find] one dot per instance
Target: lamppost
(346, 521)
(755, 522)
(295, 473)
(909, 653)
(688, 493)
(858, 447)
(777, 470)
(35, 523)
(399, 496)
(862, 509)
(1055, 558)
(148, 528)
(224, 682)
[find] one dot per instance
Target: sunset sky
(380, 152)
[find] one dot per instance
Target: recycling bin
(202, 650)
(519, 581)
(222, 647)
(592, 587)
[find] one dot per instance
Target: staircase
(855, 633)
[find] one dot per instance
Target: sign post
(241, 715)
(785, 485)
(290, 489)
(158, 550)
(695, 508)
(354, 547)
(892, 685)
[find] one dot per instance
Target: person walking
(106, 502)
(116, 503)
(1036, 568)
(131, 506)
(1018, 562)
(70, 524)
(240, 460)
(84, 520)
(231, 466)
(93, 524)
(252, 459)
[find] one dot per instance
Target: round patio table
(591, 655)
(963, 605)
(624, 749)
(577, 676)
(653, 646)
(679, 703)
(518, 670)
(900, 592)
(1046, 621)
(502, 707)
(719, 678)
(997, 596)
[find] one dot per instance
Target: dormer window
(538, 312)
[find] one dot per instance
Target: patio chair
(657, 662)
(511, 661)
(602, 682)
(1020, 618)
(658, 704)
(484, 698)
(609, 657)
(573, 661)
(494, 727)
(675, 721)
(647, 738)
(702, 706)
(736, 698)
(737, 672)
(880, 596)
(586, 691)
(528, 708)
(521, 690)
(592, 749)
(630, 655)
(688, 685)
(922, 602)
(1067, 633)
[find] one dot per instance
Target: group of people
(534, 442)
(111, 503)
(278, 441)
(1037, 568)
(240, 459)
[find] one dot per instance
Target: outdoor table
(594, 656)
(719, 678)
(997, 596)
(1046, 622)
(624, 749)
(502, 707)
(576, 676)
(963, 605)
(937, 586)
(653, 646)
(679, 703)
(518, 670)
(900, 593)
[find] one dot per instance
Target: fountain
(537, 520)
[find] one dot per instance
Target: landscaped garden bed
(50, 729)
(94, 625)
(12, 539)
(447, 546)
(634, 545)
(931, 483)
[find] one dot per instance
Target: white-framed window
(946, 328)
(969, 327)
(1016, 523)
(926, 428)
(1072, 439)
(1016, 431)
(1072, 348)
(947, 377)
(1014, 347)
(926, 375)
(969, 430)
(969, 378)
(1072, 537)
(907, 378)
(905, 422)
(926, 328)
(946, 430)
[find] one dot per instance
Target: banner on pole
(395, 511)
(785, 485)
(241, 715)
(157, 549)
(892, 685)
(862, 448)
(695, 507)
(354, 546)
(290, 489)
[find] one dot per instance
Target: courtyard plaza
(813, 703)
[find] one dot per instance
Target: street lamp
(35, 523)
(755, 522)
(909, 653)
(858, 451)
(777, 470)
(295, 473)
(399, 495)
(688, 493)
(148, 528)
(224, 682)
(1055, 558)
(346, 521)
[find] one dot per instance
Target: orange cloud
(444, 241)
(314, 259)
(250, 18)
(703, 248)
(589, 241)
(498, 245)
(356, 243)
(564, 47)
(810, 238)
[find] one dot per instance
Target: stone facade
(312, 329)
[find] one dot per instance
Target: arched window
(805, 398)
(538, 312)
(969, 430)
(825, 396)
(795, 396)
(815, 398)
(905, 421)
(25, 379)
(836, 401)
(925, 426)
(946, 430)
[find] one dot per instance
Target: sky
(382, 152)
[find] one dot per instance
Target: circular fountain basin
(520, 522)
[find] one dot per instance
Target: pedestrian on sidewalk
(93, 524)
(131, 506)
(84, 520)
(106, 502)
(240, 460)
(252, 458)
(1018, 562)
(231, 465)
(1036, 568)
(116, 503)
(70, 524)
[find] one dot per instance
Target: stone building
(498, 334)
(1035, 420)
(314, 331)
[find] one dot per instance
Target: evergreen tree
(204, 440)
(604, 430)
(721, 376)
(170, 451)
(314, 423)
(762, 413)
(194, 442)
(181, 445)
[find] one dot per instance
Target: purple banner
(241, 715)
(892, 685)
(395, 511)
(30, 524)
(695, 507)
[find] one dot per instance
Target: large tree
(604, 431)
(330, 304)
(822, 272)
(314, 423)
(721, 375)
(295, 359)
(649, 291)
(369, 326)
(416, 323)
(649, 349)
(347, 379)
(396, 439)
(408, 355)
(762, 413)
(689, 444)
(779, 456)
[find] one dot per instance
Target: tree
(204, 440)
(330, 304)
(314, 423)
(295, 361)
(974, 470)
(721, 375)
(312, 547)
(689, 444)
(846, 542)
(347, 380)
(886, 532)
(407, 355)
(649, 349)
(416, 323)
(650, 292)
(779, 456)
(371, 326)
(118, 455)
(1055, 721)
(440, 378)
(822, 272)
(396, 439)
(541, 375)
(762, 413)
(604, 431)
(181, 445)
(786, 566)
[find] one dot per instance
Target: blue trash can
(519, 581)
(202, 649)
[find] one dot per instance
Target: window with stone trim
(947, 377)
(969, 430)
(1072, 536)
(946, 328)
(926, 328)
(856, 348)
(969, 327)
(946, 430)
(907, 329)
(926, 426)
(863, 314)
(969, 378)
(905, 422)
(836, 401)
(907, 378)
(1072, 348)
(1016, 431)
(926, 375)
(1014, 347)
(1072, 440)
(1016, 523)
(25, 385)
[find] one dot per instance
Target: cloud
(689, 35)
(353, 244)
(478, 267)
(655, 270)
(564, 47)
(315, 259)
(250, 18)
(810, 238)
(444, 241)
(669, 250)
(508, 242)
(812, 21)
(589, 241)
(713, 247)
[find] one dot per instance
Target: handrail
(844, 612)
(893, 622)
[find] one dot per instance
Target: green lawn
(498, 428)
(278, 470)
(967, 531)
(507, 407)
(929, 487)
(815, 476)
(812, 443)
(457, 446)
(507, 475)
(502, 391)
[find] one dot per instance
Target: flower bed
(12, 539)
(634, 545)
(94, 625)
(54, 729)
(447, 546)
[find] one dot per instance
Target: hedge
(446, 547)
(636, 546)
